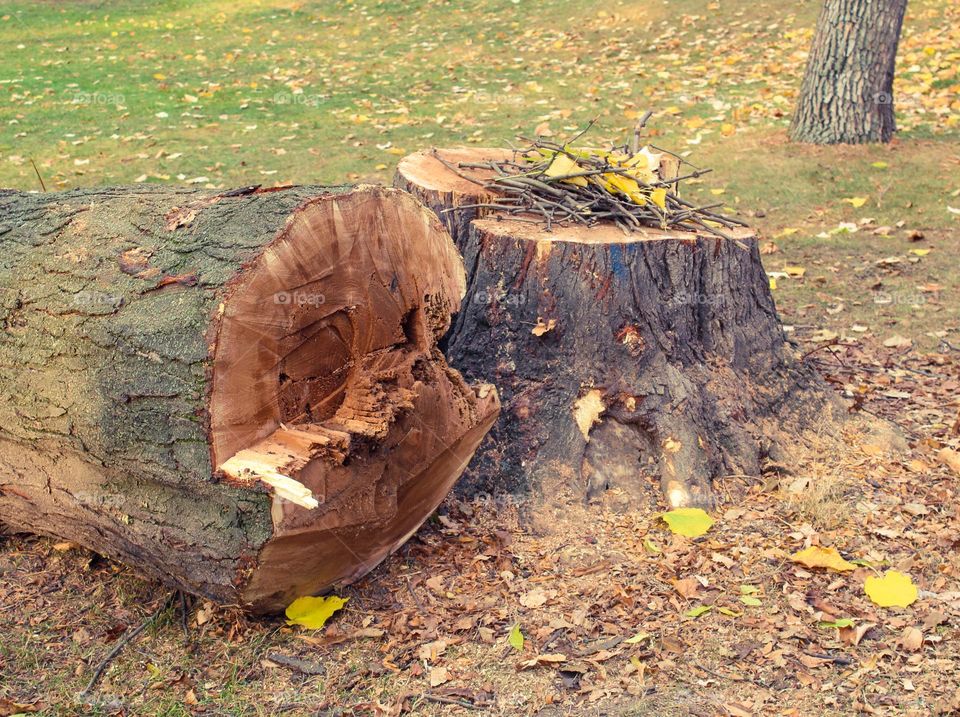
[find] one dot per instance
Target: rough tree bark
(619, 356)
(185, 374)
(847, 91)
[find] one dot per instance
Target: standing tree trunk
(847, 91)
(238, 392)
(657, 353)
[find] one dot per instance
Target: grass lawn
(862, 243)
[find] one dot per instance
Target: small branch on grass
(821, 347)
(414, 596)
(304, 667)
(444, 700)
(124, 641)
(42, 185)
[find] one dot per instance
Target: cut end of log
(354, 290)
(328, 387)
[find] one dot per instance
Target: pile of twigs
(629, 186)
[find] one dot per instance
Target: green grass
(279, 91)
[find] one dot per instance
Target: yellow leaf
(857, 202)
(313, 612)
(920, 252)
(638, 638)
(727, 129)
(563, 165)
(541, 328)
(773, 283)
(819, 557)
(159, 76)
(795, 272)
(880, 165)
(515, 638)
(626, 186)
(659, 197)
(717, 192)
(691, 522)
(894, 589)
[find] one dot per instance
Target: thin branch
(123, 642)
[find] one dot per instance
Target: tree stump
(617, 356)
(238, 392)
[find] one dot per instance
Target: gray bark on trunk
(847, 91)
(618, 357)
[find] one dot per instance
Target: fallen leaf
(686, 587)
(313, 612)
(950, 458)
(911, 639)
(691, 522)
(897, 342)
(438, 676)
(894, 589)
(838, 623)
(547, 659)
(541, 328)
(432, 650)
(515, 638)
(698, 611)
(856, 202)
(8, 708)
(853, 635)
(821, 335)
(533, 599)
(735, 709)
(819, 557)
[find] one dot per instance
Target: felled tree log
(238, 392)
(655, 353)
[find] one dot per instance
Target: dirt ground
(605, 600)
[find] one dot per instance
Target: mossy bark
(112, 305)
